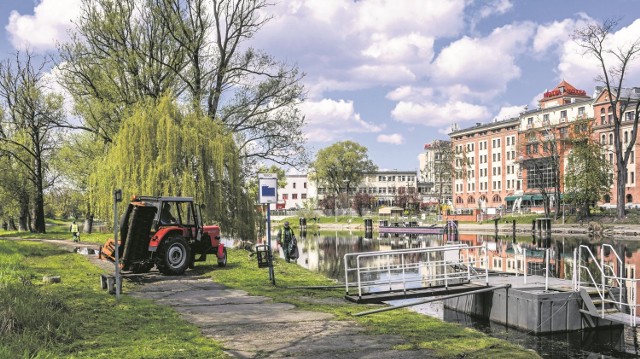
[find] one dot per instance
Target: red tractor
(165, 232)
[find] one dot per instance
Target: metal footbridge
(374, 277)
(606, 291)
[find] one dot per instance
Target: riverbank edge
(630, 231)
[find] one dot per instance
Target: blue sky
(396, 74)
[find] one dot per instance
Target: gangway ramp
(607, 295)
(372, 277)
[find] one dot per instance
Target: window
(294, 196)
(304, 195)
(294, 185)
(626, 137)
(545, 118)
(611, 138)
(530, 121)
(603, 120)
(581, 111)
(628, 116)
(304, 185)
(610, 116)
(563, 114)
(285, 196)
(603, 139)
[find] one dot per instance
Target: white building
(294, 193)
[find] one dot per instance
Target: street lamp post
(346, 181)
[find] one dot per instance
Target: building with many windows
(604, 132)
(510, 164)
(486, 165)
(436, 172)
(386, 185)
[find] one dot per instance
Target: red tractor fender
(160, 235)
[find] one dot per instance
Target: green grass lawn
(445, 339)
(76, 318)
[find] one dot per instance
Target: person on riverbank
(287, 240)
(75, 232)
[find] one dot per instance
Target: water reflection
(324, 252)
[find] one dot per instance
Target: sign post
(268, 193)
(117, 197)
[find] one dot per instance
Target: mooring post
(525, 265)
(546, 274)
(533, 225)
(575, 267)
(514, 229)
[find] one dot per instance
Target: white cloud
(344, 45)
(495, 7)
(412, 46)
(394, 139)
(552, 35)
(409, 93)
(508, 112)
(383, 73)
(484, 64)
(438, 114)
(330, 120)
(47, 26)
(581, 69)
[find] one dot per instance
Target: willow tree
(124, 51)
(162, 150)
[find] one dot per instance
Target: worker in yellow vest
(75, 232)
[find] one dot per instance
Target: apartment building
(544, 147)
(603, 129)
(435, 175)
(486, 165)
(385, 185)
(506, 164)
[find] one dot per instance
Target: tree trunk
(39, 199)
(88, 224)
(23, 217)
(620, 209)
(12, 224)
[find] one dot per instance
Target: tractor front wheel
(175, 256)
(222, 262)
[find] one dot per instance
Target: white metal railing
(608, 279)
(405, 269)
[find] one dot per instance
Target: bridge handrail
(602, 287)
(390, 268)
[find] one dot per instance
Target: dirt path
(255, 327)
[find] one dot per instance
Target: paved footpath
(256, 327)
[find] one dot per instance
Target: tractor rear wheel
(175, 256)
(222, 262)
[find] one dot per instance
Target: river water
(323, 252)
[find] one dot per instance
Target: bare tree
(614, 60)
(31, 115)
